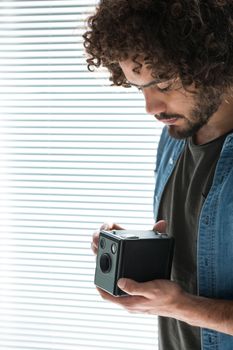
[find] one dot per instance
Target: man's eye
(164, 89)
(164, 86)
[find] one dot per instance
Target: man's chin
(177, 132)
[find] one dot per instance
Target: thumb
(160, 226)
(131, 287)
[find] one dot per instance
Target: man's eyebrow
(153, 82)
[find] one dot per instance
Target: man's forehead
(138, 74)
(135, 67)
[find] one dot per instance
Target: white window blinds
(74, 152)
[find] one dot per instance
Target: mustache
(164, 116)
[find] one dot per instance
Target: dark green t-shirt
(181, 204)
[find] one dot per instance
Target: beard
(206, 102)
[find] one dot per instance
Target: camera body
(138, 255)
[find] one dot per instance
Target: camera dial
(102, 243)
(105, 263)
(113, 248)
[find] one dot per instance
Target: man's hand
(160, 226)
(106, 227)
(166, 298)
(158, 297)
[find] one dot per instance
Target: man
(180, 55)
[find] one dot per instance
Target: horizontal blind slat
(74, 153)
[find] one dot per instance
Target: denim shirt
(215, 229)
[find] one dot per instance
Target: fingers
(126, 301)
(106, 227)
(95, 236)
(106, 296)
(111, 226)
(160, 226)
(95, 242)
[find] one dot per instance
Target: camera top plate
(134, 234)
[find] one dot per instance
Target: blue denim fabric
(215, 234)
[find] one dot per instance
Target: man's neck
(219, 124)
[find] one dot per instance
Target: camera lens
(105, 263)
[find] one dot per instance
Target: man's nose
(154, 102)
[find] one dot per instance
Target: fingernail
(104, 227)
(121, 283)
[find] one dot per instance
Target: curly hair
(188, 39)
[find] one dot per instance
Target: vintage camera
(139, 255)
